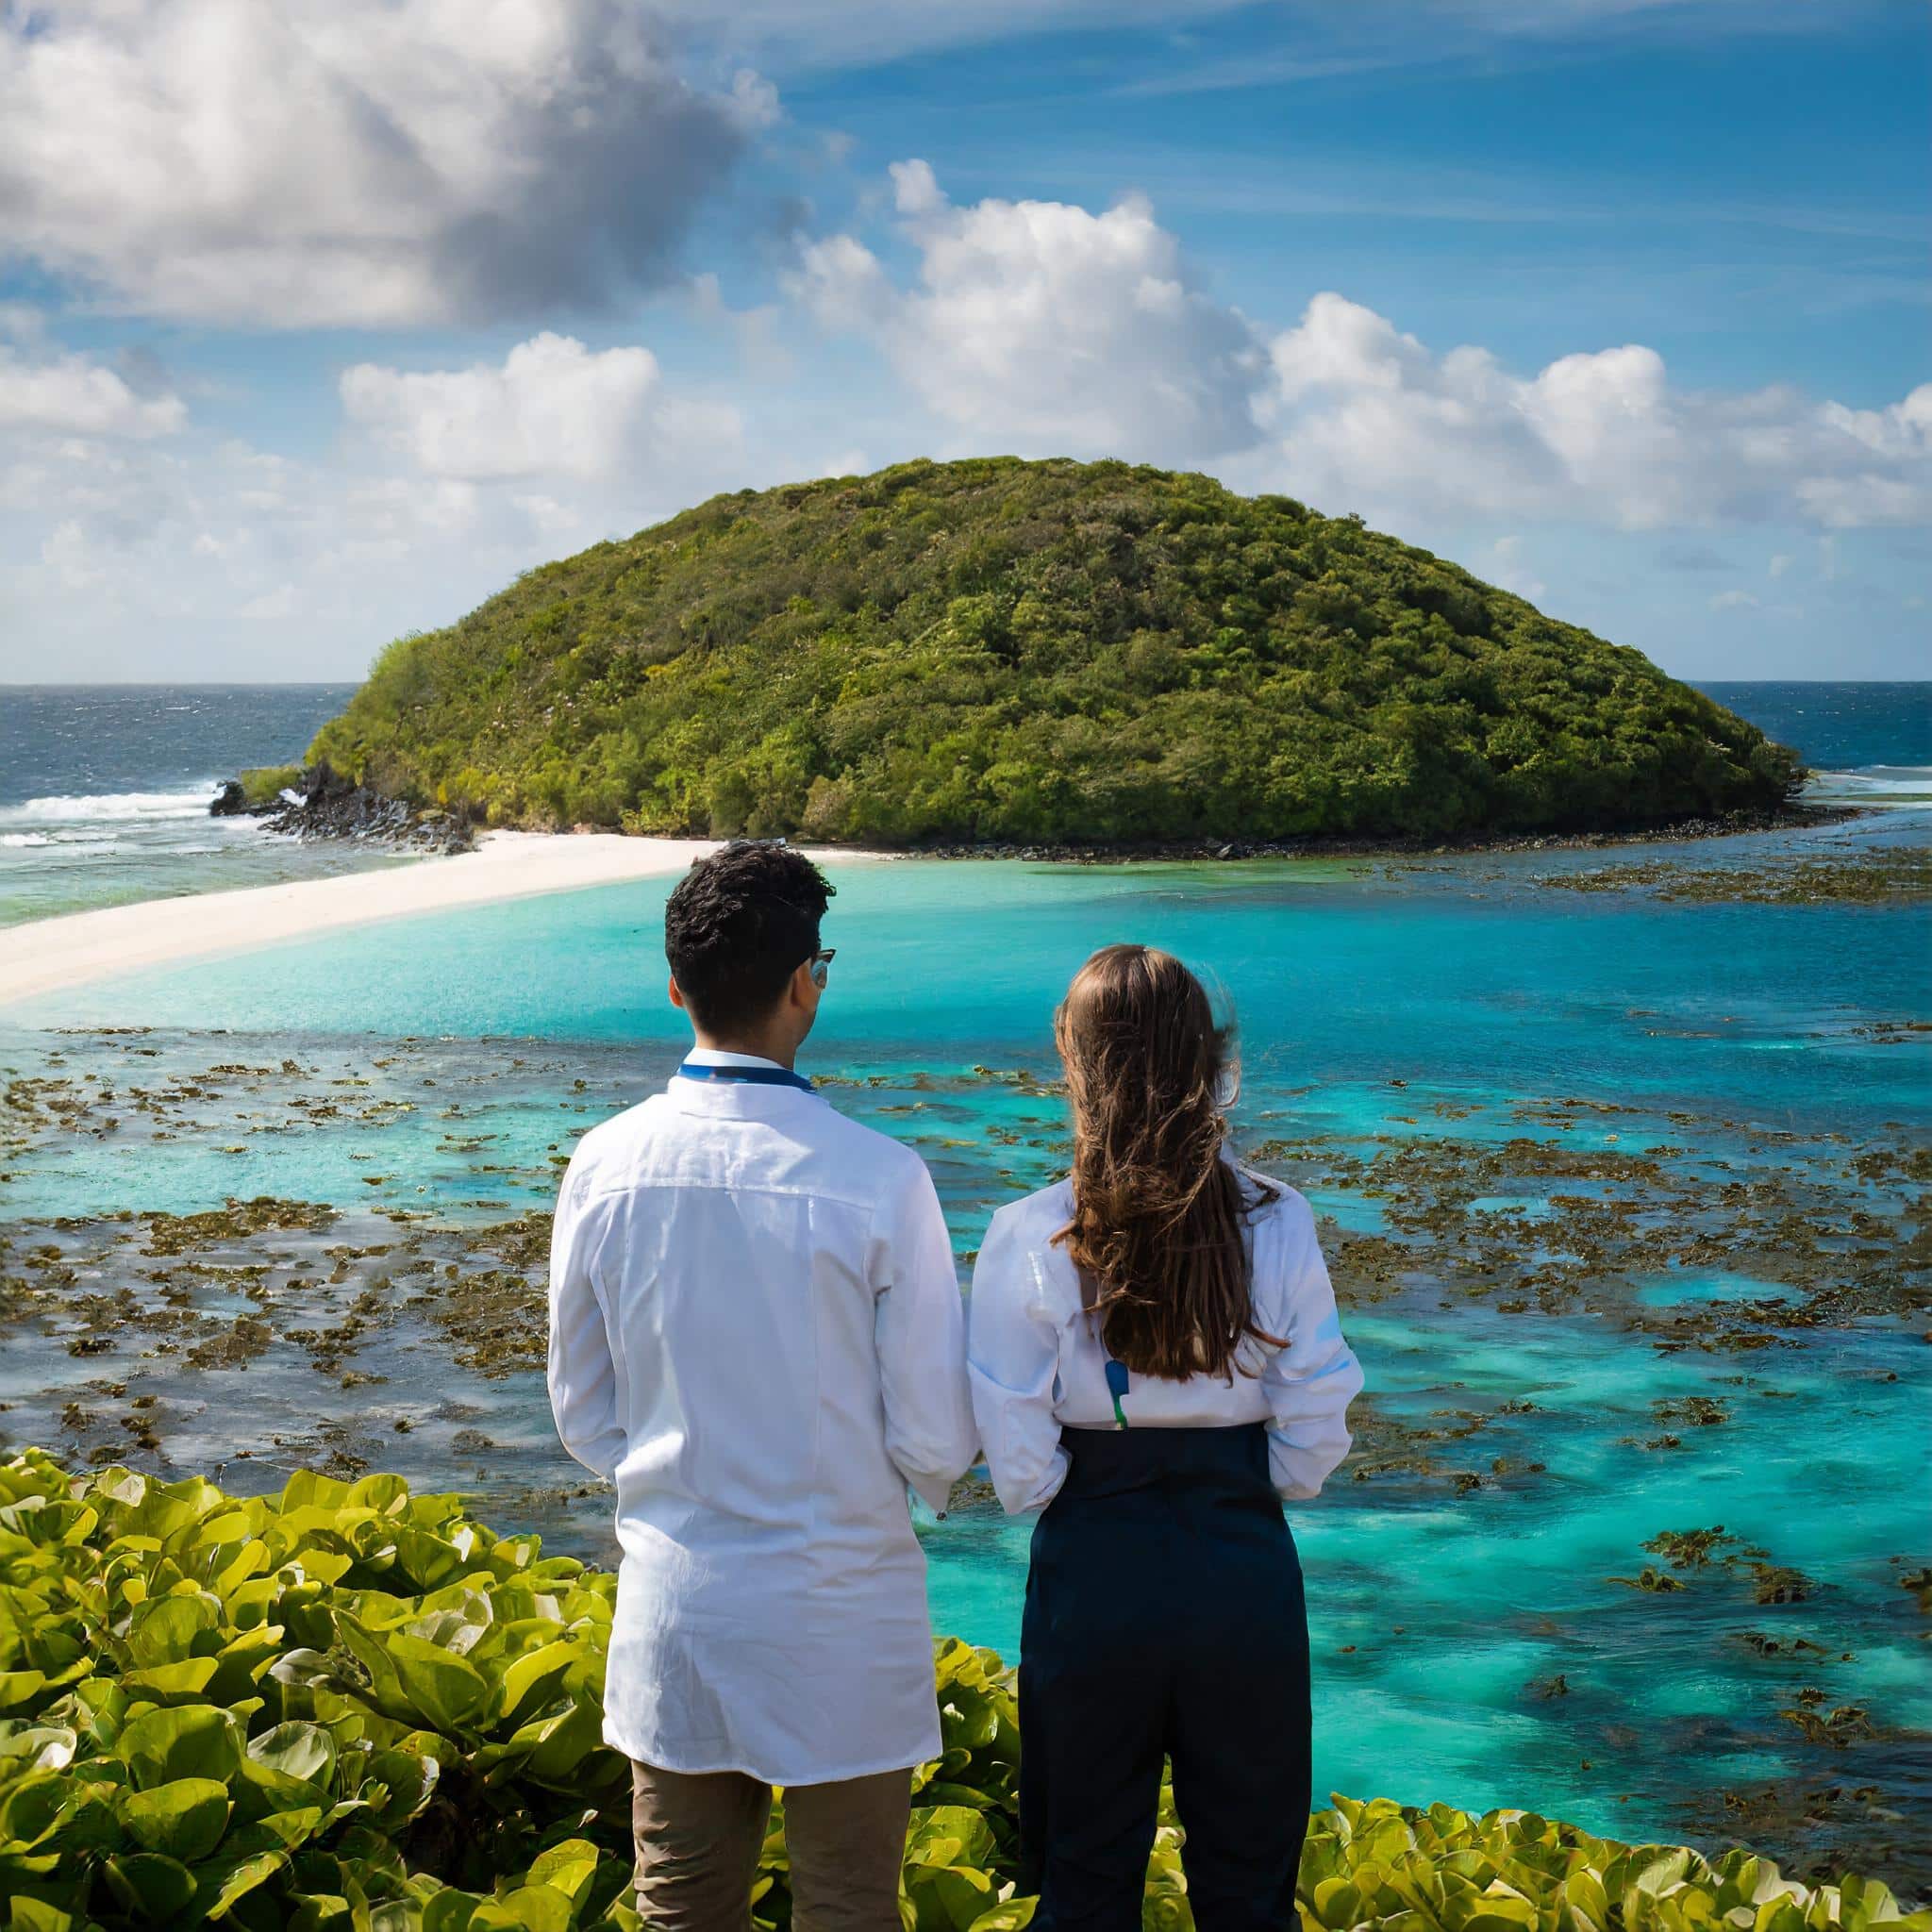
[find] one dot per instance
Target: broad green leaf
(29, 1808)
(566, 1748)
(533, 1673)
(185, 1819)
(446, 1689)
(300, 1752)
(450, 1910)
(20, 1690)
(167, 1630)
(188, 1740)
(568, 1868)
(398, 1786)
(38, 1915)
(180, 1683)
(529, 1908)
(380, 1492)
(232, 1881)
(1501, 1915)
(151, 1889)
(951, 1898)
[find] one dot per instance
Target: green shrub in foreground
(350, 1707)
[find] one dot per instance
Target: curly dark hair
(739, 925)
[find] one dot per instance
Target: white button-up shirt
(757, 1334)
(1038, 1361)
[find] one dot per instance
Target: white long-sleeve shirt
(1038, 1362)
(757, 1334)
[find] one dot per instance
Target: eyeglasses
(820, 964)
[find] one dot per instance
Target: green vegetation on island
(261, 785)
(1003, 651)
(346, 1708)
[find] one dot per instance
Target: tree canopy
(1055, 651)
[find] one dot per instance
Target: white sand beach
(49, 955)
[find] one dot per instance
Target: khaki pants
(699, 1833)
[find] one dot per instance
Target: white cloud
(59, 392)
(553, 519)
(1038, 326)
(1365, 417)
(67, 552)
(1734, 600)
(355, 162)
(1041, 327)
(841, 283)
(754, 101)
(553, 406)
(1031, 326)
(1506, 566)
(273, 606)
(556, 441)
(193, 554)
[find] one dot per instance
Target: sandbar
(51, 955)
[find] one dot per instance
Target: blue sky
(319, 323)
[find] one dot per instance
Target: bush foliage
(1054, 651)
(261, 785)
(346, 1708)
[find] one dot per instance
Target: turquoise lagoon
(1482, 1631)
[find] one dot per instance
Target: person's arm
(1310, 1382)
(583, 1378)
(919, 1332)
(1013, 1357)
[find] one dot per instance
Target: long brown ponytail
(1159, 1218)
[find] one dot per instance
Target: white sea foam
(111, 807)
(1876, 784)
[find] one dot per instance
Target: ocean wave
(1876, 784)
(24, 839)
(105, 806)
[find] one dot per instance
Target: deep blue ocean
(104, 788)
(1867, 742)
(1463, 1061)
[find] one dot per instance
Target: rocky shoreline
(1793, 818)
(326, 805)
(333, 806)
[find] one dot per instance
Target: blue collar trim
(756, 1076)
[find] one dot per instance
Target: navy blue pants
(1164, 1618)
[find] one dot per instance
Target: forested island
(1075, 654)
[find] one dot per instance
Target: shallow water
(1463, 1066)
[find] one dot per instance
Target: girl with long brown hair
(1157, 1361)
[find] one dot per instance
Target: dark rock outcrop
(330, 805)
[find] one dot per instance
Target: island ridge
(1076, 653)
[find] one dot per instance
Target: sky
(321, 319)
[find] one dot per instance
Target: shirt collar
(719, 1057)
